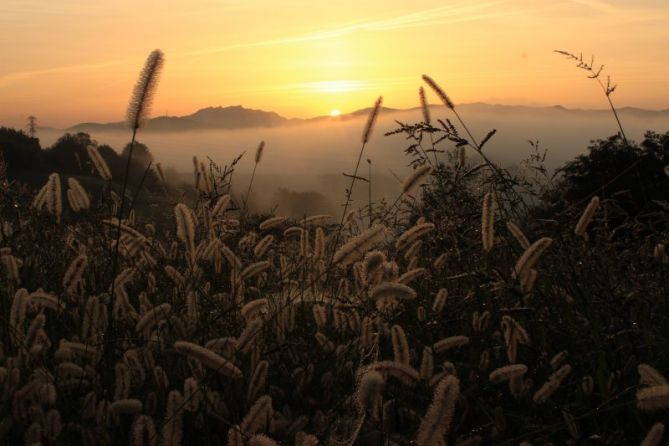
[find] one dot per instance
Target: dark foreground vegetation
(482, 306)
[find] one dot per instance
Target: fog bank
(312, 156)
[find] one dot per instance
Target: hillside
(239, 117)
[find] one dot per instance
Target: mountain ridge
(239, 117)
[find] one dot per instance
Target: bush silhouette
(19, 150)
(68, 154)
(633, 173)
(142, 159)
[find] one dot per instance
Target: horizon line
(349, 113)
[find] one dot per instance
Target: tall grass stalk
(369, 192)
(138, 111)
(258, 157)
(366, 135)
(607, 89)
(506, 182)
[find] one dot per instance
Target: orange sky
(68, 61)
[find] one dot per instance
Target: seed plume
(654, 435)
(400, 345)
(518, 234)
(142, 95)
(259, 151)
(415, 179)
(368, 390)
(650, 376)
(530, 257)
(272, 222)
(358, 246)
(586, 217)
(437, 89)
(185, 227)
(488, 221)
(437, 420)
(411, 234)
(507, 372)
(371, 120)
(98, 162)
(653, 398)
(208, 358)
(425, 107)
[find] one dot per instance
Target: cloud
(348, 85)
(630, 12)
(464, 12)
(8, 79)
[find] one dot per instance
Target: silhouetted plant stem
(369, 188)
(508, 190)
(434, 151)
(595, 74)
(393, 206)
(259, 152)
(366, 134)
(138, 110)
(120, 211)
(607, 93)
(464, 126)
(248, 191)
(349, 192)
(615, 113)
(111, 329)
(608, 90)
(427, 158)
(139, 188)
(475, 145)
(343, 215)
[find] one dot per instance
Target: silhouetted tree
(140, 154)
(68, 154)
(112, 158)
(141, 160)
(629, 178)
(635, 173)
(20, 151)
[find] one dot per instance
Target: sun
(335, 112)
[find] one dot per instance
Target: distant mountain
(210, 118)
(235, 117)
(97, 127)
(238, 117)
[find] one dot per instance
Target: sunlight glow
(335, 112)
(334, 86)
(294, 60)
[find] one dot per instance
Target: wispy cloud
(464, 12)
(10, 78)
(18, 9)
(333, 86)
(632, 11)
(348, 85)
(597, 5)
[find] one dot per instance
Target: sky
(71, 61)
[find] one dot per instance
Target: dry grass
(441, 320)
